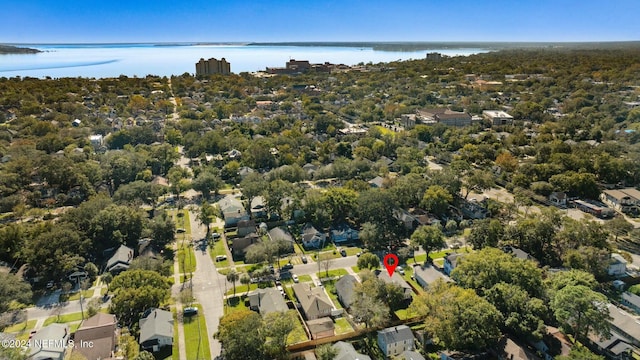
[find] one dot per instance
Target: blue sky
(26, 21)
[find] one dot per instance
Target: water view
(112, 60)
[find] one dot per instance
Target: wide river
(112, 60)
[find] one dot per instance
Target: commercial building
(213, 66)
(444, 116)
(497, 117)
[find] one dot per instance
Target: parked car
(215, 236)
(304, 259)
(221, 257)
(180, 230)
(279, 287)
(288, 266)
(343, 252)
(400, 270)
(190, 311)
(295, 278)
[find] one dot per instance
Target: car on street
(343, 252)
(295, 278)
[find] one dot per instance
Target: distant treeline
(8, 49)
(417, 46)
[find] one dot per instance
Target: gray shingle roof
(345, 288)
(157, 323)
(396, 334)
(122, 257)
(267, 300)
(346, 351)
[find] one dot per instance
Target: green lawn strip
(332, 273)
(195, 333)
(19, 327)
(328, 255)
(74, 326)
(356, 269)
(305, 278)
(408, 271)
(235, 304)
(404, 314)
(342, 326)
(66, 318)
(219, 249)
(298, 334)
(186, 259)
(175, 347)
(104, 290)
(87, 294)
(352, 250)
(331, 290)
(241, 288)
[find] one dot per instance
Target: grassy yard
(342, 326)
(352, 250)
(404, 314)
(332, 273)
(19, 327)
(331, 289)
(85, 294)
(219, 249)
(196, 338)
(298, 334)
(408, 271)
(175, 352)
(304, 278)
(186, 259)
(66, 318)
(241, 289)
(235, 304)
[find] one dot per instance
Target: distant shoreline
(10, 49)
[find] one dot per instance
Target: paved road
(209, 286)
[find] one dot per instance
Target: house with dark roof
(346, 351)
(100, 331)
(343, 233)
(395, 340)
(239, 245)
(345, 290)
(120, 260)
(321, 328)
(312, 238)
(146, 248)
(314, 302)
(246, 227)
(427, 275)
(266, 301)
(615, 347)
(518, 253)
(49, 343)
(232, 210)
(624, 324)
(398, 280)
(156, 330)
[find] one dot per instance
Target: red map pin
(394, 263)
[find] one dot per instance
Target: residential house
(450, 262)
(232, 210)
(411, 355)
(239, 245)
(398, 280)
(244, 171)
(258, 208)
(427, 275)
(246, 227)
(518, 253)
(314, 302)
(615, 347)
(345, 287)
(156, 330)
(49, 343)
(395, 340)
(310, 168)
(234, 154)
(408, 121)
(279, 233)
(617, 265)
(631, 301)
(120, 260)
(410, 222)
(100, 331)
(497, 117)
(507, 348)
(346, 351)
(625, 200)
(343, 233)
(312, 238)
(625, 325)
(473, 209)
(321, 328)
(146, 248)
(376, 182)
(266, 301)
(558, 198)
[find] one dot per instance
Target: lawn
(241, 289)
(352, 250)
(408, 271)
(305, 278)
(342, 326)
(175, 352)
(332, 273)
(196, 338)
(23, 326)
(186, 259)
(66, 318)
(219, 249)
(404, 314)
(331, 288)
(236, 304)
(85, 294)
(298, 334)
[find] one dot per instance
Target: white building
(395, 340)
(498, 117)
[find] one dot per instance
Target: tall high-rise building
(213, 66)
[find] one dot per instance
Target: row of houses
(625, 200)
(453, 118)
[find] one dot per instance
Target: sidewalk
(182, 350)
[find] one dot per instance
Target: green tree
(368, 261)
(479, 180)
(436, 200)
(205, 214)
(368, 310)
(277, 327)
(580, 352)
(486, 233)
(144, 355)
(326, 352)
(233, 277)
(581, 311)
(523, 315)
(429, 238)
(13, 291)
(241, 335)
(406, 190)
(252, 185)
(136, 291)
(246, 281)
(207, 182)
(458, 318)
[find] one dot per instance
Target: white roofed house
(497, 117)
